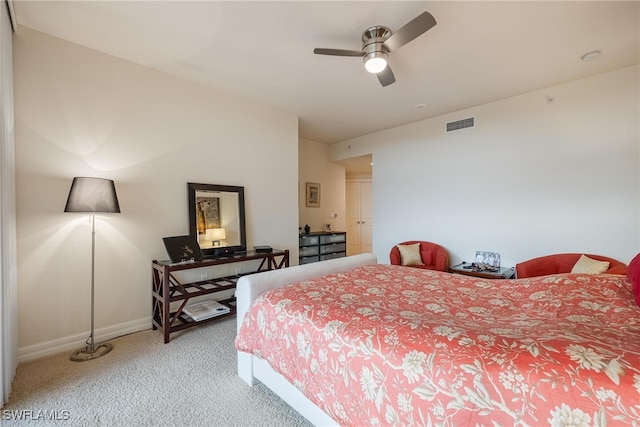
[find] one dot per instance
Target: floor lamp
(92, 195)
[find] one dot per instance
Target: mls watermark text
(35, 415)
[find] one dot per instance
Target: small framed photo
(327, 228)
(313, 195)
(489, 261)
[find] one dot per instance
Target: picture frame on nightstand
(488, 260)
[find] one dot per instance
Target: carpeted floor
(191, 381)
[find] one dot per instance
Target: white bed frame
(252, 369)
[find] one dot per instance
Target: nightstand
(502, 273)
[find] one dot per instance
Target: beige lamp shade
(216, 234)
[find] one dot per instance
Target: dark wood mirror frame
(226, 202)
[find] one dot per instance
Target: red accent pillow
(427, 257)
(633, 273)
(545, 265)
(565, 267)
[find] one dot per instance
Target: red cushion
(427, 257)
(633, 273)
(544, 266)
(565, 266)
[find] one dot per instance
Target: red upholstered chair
(434, 257)
(562, 263)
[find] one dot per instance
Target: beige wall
(315, 166)
(532, 178)
(83, 113)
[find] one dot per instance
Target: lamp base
(86, 353)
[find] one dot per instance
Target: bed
(353, 342)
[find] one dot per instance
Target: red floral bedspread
(390, 345)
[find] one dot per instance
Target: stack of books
(205, 310)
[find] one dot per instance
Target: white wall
(532, 178)
(316, 166)
(83, 113)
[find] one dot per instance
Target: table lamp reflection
(215, 235)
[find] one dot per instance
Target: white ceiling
(477, 53)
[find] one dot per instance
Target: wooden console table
(167, 289)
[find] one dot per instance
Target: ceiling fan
(378, 41)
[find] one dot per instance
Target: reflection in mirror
(216, 218)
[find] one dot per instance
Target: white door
(354, 241)
(359, 217)
(366, 218)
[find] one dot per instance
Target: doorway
(359, 217)
(358, 204)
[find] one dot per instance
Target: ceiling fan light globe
(375, 65)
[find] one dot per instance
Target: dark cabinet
(321, 246)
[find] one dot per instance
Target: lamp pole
(93, 279)
(91, 351)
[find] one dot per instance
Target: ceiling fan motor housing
(373, 39)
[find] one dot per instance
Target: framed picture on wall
(313, 195)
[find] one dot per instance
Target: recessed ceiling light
(591, 56)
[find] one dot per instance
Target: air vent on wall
(461, 124)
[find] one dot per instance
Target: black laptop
(182, 248)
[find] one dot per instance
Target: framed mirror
(216, 218)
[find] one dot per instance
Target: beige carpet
(191, 381)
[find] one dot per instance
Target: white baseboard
(74, 342)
